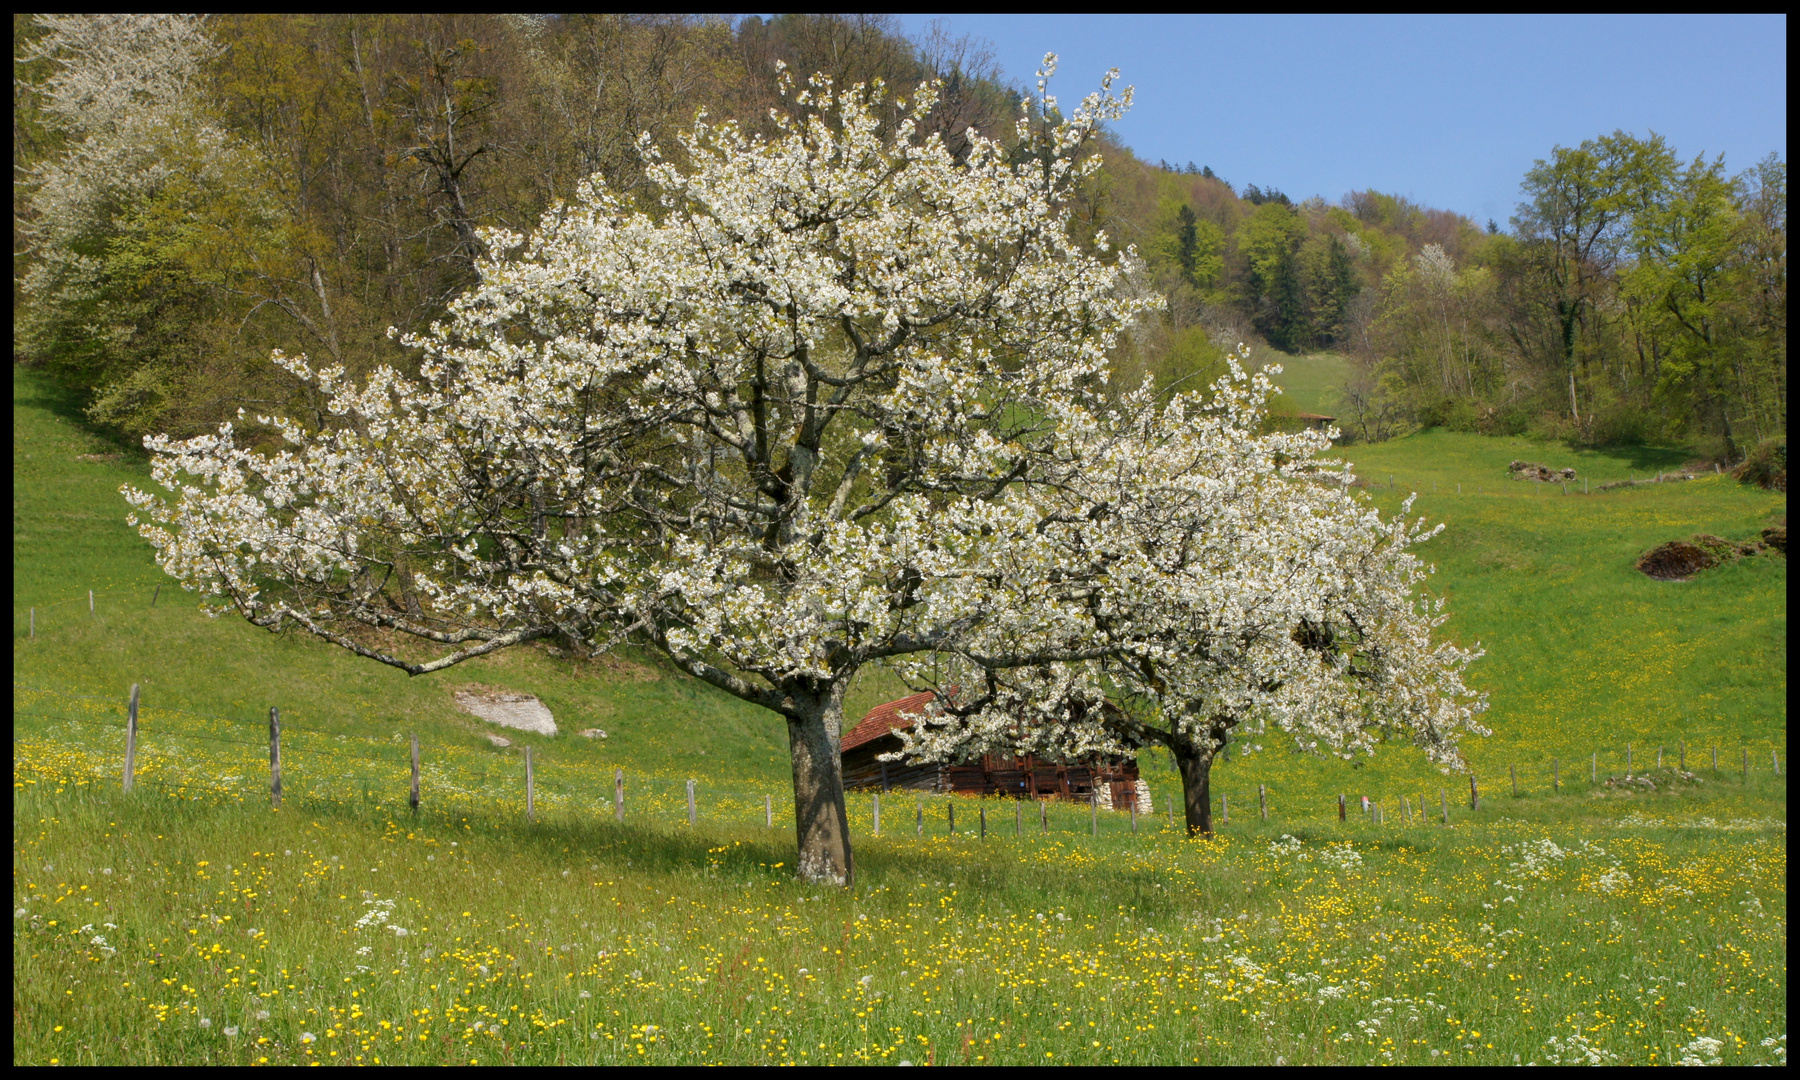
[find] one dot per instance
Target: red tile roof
(885, 718)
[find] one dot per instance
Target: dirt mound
(1676, 560)
(1679, 560)
(1543, 474)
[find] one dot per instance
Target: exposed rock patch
(508, 708)
(1543, 474)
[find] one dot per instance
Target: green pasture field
(1608, 922)
(1309, 383)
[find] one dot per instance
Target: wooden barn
(1115, 783)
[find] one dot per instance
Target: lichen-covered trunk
(820, 823)
(1195, 766)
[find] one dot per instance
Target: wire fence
(65, 738)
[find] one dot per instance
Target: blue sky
(1448, 111)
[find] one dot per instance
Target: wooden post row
(131, 737)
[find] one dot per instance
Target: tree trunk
(1196, 786)
(820, 822)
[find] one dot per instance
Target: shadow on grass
(37, 389)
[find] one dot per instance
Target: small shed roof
(885, 718)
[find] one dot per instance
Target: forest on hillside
(192, 193)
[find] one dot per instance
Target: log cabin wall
(1025, 777)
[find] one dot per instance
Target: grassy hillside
(1584, 653)
(190, 923)
(1310, 383)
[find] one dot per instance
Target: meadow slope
(1601, 922)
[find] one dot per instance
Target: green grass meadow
(1600, 922)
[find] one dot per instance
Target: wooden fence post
(1775, 761)
(983, 810)
(414, 801)
(1715, 750)
(1684, 755)
(131, 738)
(1171, 812)
(90, 601)
(1341, 808)
(530, 794)
(1627, 759)
(1513, 771)
(1444, 805)
(1094, 807)
(768, 811)
(950, 807)
(1474, 796)
(876, 800)
(33, 623)
(275, 757)
(1594, 768)
(693, 815)
(919, 821)
(1134, 814)
(619, 796)
(1018, 819)
(1043, 817)
(1225, 803)
(1746, 764)
(155, 595)
(1659, 751)
(1555, 777)
(1262, 800)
